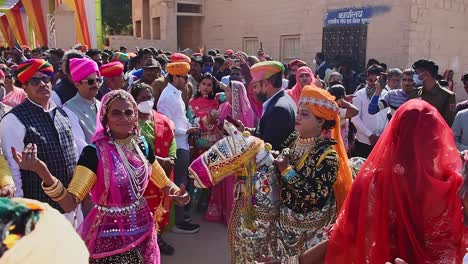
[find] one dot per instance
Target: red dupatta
(158, 202)
(403, 202)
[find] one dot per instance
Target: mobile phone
(383, 80)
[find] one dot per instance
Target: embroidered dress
(252, 227)
(120, 228)
(308, 205)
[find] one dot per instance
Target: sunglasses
(93, 81)
(37, 80)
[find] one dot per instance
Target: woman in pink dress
(13, 95)
(236, 108)
(204, 107)
(114, 171)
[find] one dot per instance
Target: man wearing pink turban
(83, 107)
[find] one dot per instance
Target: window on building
(250, 45)
(138, 28)
(156, 28)
(290, 47)
(189, 8)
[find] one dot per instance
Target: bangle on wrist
(286, 170)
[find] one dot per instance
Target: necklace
(301, 150)
(138, 175)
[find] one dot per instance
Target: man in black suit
(279, 110)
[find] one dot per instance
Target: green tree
(117, 17)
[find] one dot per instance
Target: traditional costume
(315, 185)
(120, 227)
(252, 228)
(404, 203)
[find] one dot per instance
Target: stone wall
(439, 30)
(131, 43)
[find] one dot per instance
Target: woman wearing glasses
(115, 169)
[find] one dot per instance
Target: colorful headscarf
(101, 127)
(112, 69)
(120, 56)
(295, 92)
(322, 104)
(27, 69)
(264, 70)
(178, 68)
(80, 68)
(37, 233)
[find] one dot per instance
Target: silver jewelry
(138, 175)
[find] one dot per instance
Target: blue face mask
(207, 68)
(417, 81)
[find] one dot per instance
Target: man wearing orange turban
(314, 172)
(171, 104)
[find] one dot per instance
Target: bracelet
(55, 191)
(50, 188)
(61, 196)
(291, 173)
(286, 170)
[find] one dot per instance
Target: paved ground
(209, 246)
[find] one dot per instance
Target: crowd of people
(305, 163)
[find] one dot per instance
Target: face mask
(146, 106)
(417, 81)
(207, 68)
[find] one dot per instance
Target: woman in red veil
(403, 203)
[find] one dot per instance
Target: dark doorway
(349, 42)
(189, 32)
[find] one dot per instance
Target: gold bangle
(285, 171)
(50, 188)
(57, 191)
(54, 191)
(82, 182)
(61, 196)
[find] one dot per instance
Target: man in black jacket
(279, 110)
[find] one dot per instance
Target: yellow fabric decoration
(53, 241)
(5, 173)
(158, 176)
(82, 182)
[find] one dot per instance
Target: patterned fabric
(120, 56)
(179, 57)
(15, 97)
(252, 227)
(264, 70)
(80, 68)
(178, 68)
(209, 133)
(120, 221)
(312, 186)
(27, 69)
(54, 140)
(308, 203)
(159, 133)
(112, 69)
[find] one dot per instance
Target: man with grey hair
(393, 79)
(393, 98)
